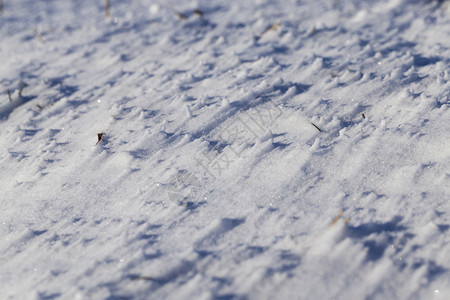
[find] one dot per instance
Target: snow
(250, 150)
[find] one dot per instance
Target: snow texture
(289, 149)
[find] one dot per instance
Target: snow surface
(212, 179)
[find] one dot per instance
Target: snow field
(212, 179)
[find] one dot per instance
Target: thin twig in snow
(100, 137)
(320, 130)
(198, 12)
(337, 218)
(271, 28)
(106, 8)
(24, 85)
(178, 13)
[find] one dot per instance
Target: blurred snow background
(249, 149)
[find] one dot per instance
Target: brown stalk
(320, 130)
(107, 8)
(100, 137)
(337, 218)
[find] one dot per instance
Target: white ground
(210, 181)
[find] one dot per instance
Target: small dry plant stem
(106, 8)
